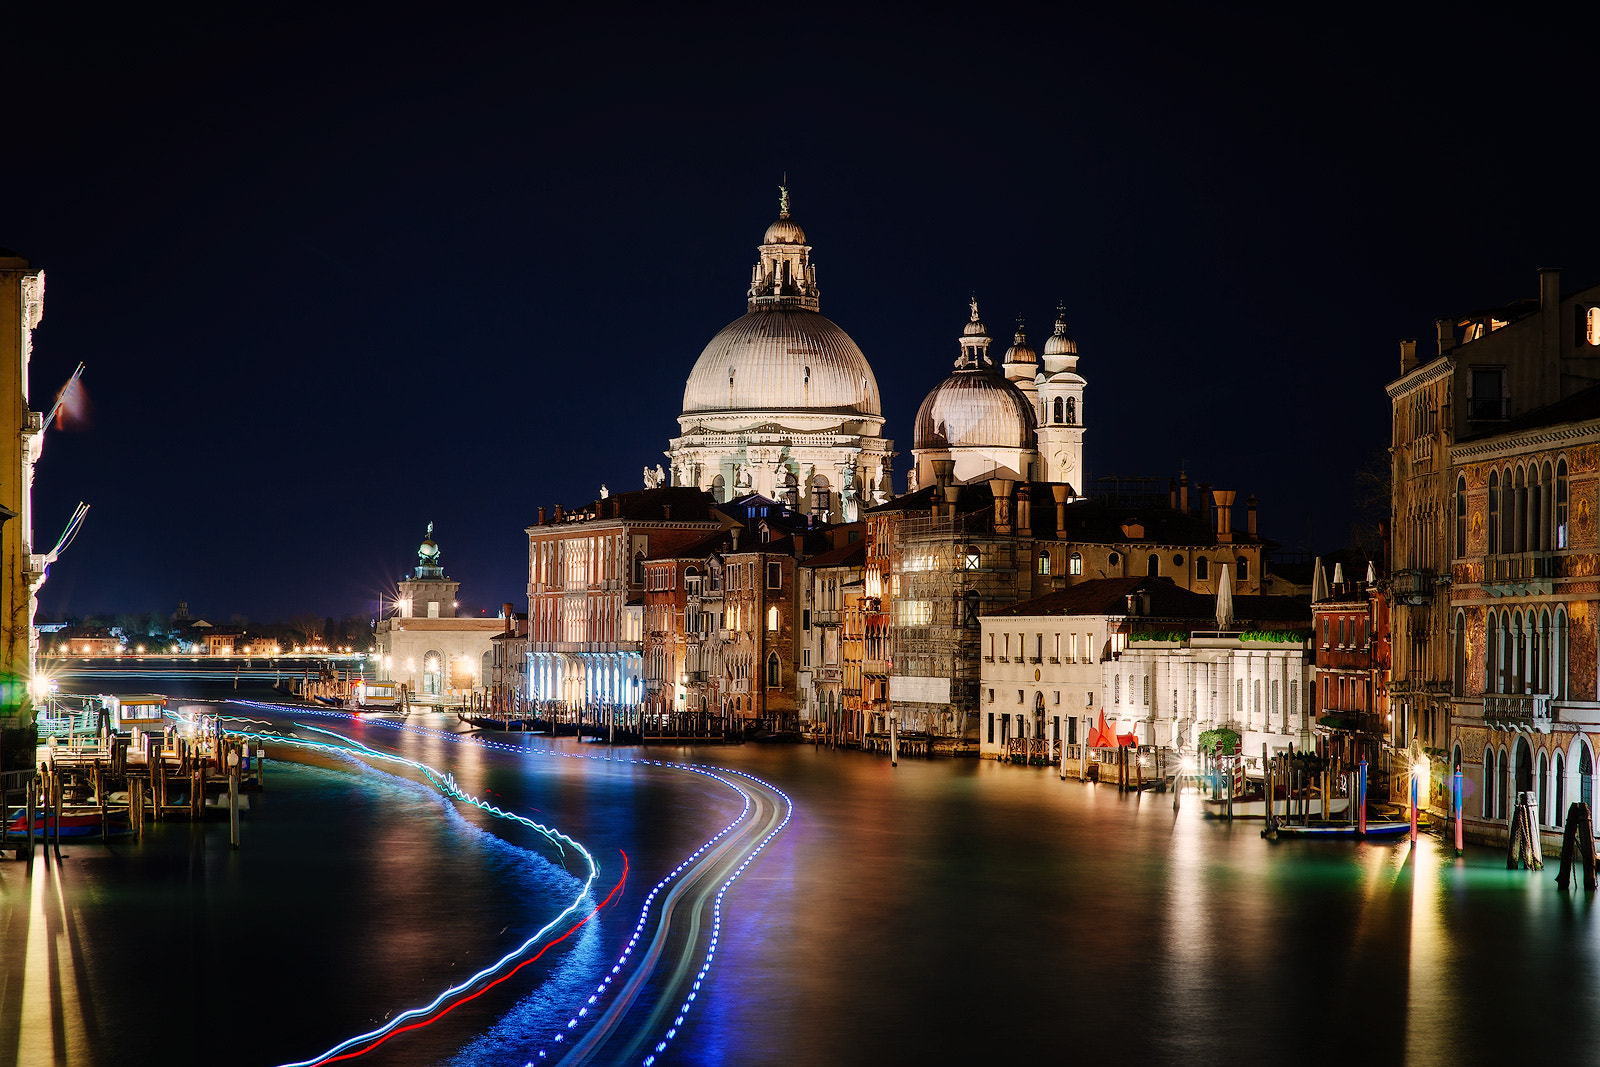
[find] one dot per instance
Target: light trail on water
(678, 904)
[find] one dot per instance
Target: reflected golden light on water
(1431, 1036)
(52, 1020)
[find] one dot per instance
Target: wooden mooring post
(1577, 847)
(233, 798)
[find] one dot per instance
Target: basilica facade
(781, 402)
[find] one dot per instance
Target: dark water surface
(936, 912)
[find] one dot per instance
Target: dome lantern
(785, 276)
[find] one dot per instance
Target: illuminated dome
(782, 360)
(975, 408)
(784, 231)
(781, 402)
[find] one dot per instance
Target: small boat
(85, 823)
(1254, 806)
(1385, 829)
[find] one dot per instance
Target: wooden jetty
(96, 786)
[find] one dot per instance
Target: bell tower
(428, 594)
(1061, 409)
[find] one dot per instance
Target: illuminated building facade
(22, 569)
(721, 618)
(1525, 591)
(439, 657)
(781, 402)
(1482, 570)
(586, 590)
(1350, 639)
(832, 687)
(1158, 660)
(940, 558)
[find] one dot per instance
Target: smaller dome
(1019, 352)
(428, 550)
(1059, 343)
(784, 231)
(975, 409)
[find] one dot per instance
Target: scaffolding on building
(944, 571)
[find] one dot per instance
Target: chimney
(1025, 509)
(1250, 516)
(952, 493)
(1060, 493)
(541, 514)
(1144, 603)
(1001, 488)
(1446, 332)
(1203, 505)
(734, 533)
(1172, 493)
(510, 617)
(943, 471)
(558, 513)
(1133, 603)
(1224, 502)
(1183, 492)
(1549, 290)
(935, 501)
(1408, 355)
(666, 512)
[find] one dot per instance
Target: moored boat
(85, 823)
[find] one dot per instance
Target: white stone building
(438, 657)
(1153, 658)
(781, 402)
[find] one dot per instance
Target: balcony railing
(1530, 712)
(1422, 450)
(1520, 572)
(1412, 586)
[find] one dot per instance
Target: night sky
(337, 275)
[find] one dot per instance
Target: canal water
(937, 912)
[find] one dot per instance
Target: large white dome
(782, 360)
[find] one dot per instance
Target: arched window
(1072, 411)
(1488, 783)
(1075, 564)
(1561, 503)
(1558, 656)
(772, 619)
(1558, 775)
(774, 671)
(1586, 776)
(1056, 410)
(1202, 568)
(1460, 673)
(1153, 566)
(1518, 541)
(1541, 529)
(1461, 516)
(638, 568)
(1502, 770)
(719, 489)
(1541, 796)
(1494, 513)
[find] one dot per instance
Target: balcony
(1422, 451)
(695, 677)
(1412, 586)
(1519, 574)
(1057, 659)
(1035, 659)
(1528, 712)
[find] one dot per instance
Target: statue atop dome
(783, 201)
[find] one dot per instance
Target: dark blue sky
(337, 275)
